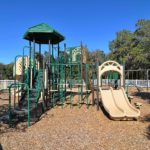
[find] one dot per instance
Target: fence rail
(138, 83)
(5, 83)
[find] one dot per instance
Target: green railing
(17, 85)
(73, 73)
(39, 85)
(26, 76)
(87, 83)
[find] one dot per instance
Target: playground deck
(82, 129)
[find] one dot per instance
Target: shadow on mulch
(104, 111)
(147, 119)
(18, 123)
(148, 132)
(4, 99)
(3, 109)
(4, 95)
(1, 148)
(143, 95)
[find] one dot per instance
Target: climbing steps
(28, 99)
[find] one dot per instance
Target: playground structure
(44, 80)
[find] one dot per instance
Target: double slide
(116, 103)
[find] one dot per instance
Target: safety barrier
(138, 83)
(5, 83)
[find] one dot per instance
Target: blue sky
(95, 22)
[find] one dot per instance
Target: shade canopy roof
(42, 33)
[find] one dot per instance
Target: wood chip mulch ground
(82, 129)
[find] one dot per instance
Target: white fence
(107, 82)
(138, 83)
(5, 83)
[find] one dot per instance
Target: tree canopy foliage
(96, 56)
(6, 71)
(132, 47)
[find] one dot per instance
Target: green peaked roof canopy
(42, 33)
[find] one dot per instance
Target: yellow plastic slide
(117, 104)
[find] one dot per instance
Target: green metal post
(15, 84)
(81, 61)
(39, 56)
(79, 85)
(61, 85)
(58, 68)
(34, 59)
(18, 93)
(52, 50)
(53, 83)
(50, 69)
(71, 86)
(65, 67)
(15, 80)
(43, 91)
(30, 67)
(28, 105)
(86, 72)
(9, 106)
(23, 70)
(93, 101)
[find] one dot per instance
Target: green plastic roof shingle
(42, 33)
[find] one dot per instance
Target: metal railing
(15, 86)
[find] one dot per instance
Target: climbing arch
(112, 66)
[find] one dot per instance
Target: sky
(94, 22)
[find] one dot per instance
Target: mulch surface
(82, 129)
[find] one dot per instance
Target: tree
(143, 35)
(96, 56)
(9, 71)
(132, 47)
(6, 71)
